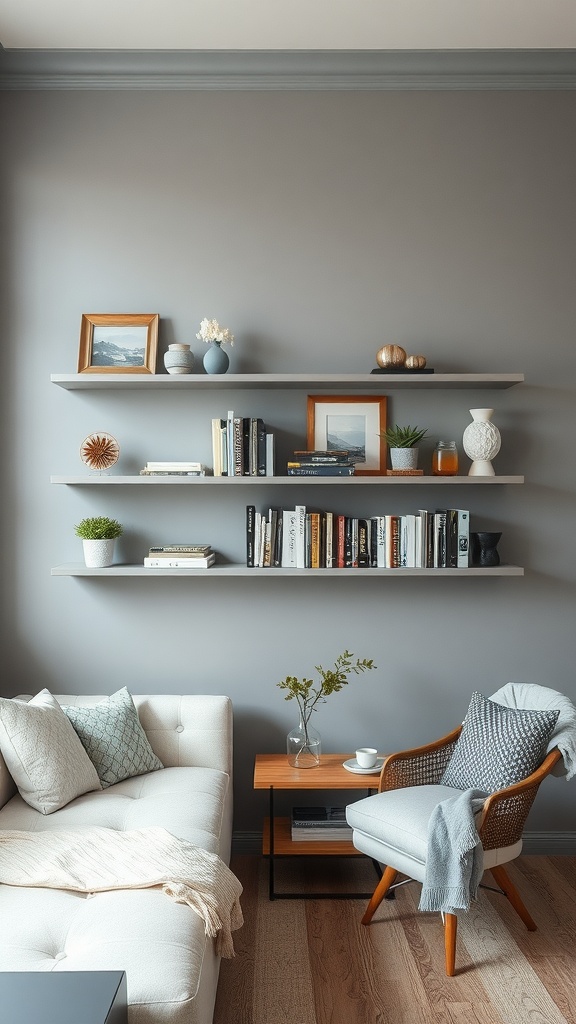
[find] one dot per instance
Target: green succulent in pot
(403, 437)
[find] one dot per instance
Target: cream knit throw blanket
(98, 859)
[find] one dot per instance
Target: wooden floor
(312, 962)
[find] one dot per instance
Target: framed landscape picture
(352, 423)
(118, 343)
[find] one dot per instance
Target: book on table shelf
(311, 538)
(173, 469)
(186, 550)
(320, 463)
(310, 824)
(180, 562)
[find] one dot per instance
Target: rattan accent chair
(499, 824)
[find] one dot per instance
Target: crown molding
(287, 70)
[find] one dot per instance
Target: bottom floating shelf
(79, 569)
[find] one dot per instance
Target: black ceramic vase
(483, 548)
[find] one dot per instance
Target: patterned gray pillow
(114, 739)
(498, 746)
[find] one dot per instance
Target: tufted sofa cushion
(171, 968)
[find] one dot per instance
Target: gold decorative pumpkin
(390, 355)
(415, 362)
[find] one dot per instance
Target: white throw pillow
(43, 753)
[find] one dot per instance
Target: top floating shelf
(288, 381)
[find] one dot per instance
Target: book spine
(452, 538)
(173, 549)
(392, 541)
(217, 447)
(269, 454)
(261, 447)
(320, 471)
(230, 443)
(340, 541)
(463, 531)
(238, 447)
(253, 464)
(288, 539)
(246, 445)
(314, 540)
(363, 543)
(440, 539)
(300, 536)
(329, 540)
(250, 529)
(179, 563)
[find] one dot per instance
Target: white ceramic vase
(179, 359)
(481, 441)
(98, 553)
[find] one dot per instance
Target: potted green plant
(98, 534)
(303, 743)
(402, 442)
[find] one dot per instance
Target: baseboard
(549, 842)
(534, 842)
(246, 842)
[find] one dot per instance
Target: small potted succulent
(98, 535)
(402, 442)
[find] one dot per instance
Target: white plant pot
(98, 553)
(404, 458)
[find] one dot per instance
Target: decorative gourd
(391, 355)
(415, 362)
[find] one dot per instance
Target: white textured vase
(179, 359)
(481, 441)
(98, 553)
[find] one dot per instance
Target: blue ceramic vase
(216, 359)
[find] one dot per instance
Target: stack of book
(173, 469)
(321, 463)
(305, 538)
(311, 824)
(180, 556)
(241, 446)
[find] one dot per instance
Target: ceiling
(287, 24)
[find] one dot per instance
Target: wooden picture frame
(350, 422)
(118, 343)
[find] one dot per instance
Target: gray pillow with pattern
(498, 746)
(114, 739)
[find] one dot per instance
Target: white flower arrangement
(210, 330)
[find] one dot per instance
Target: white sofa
(171, 967)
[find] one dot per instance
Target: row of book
(241, 446)
(173, 469)
(310, 824)
(308, 539)
(180, 556)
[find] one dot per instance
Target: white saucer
(353, 766)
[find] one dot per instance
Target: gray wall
(317, 227)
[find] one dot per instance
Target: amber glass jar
(445, 459)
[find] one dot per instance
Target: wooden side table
(272, 772)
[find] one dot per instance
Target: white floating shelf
(293, 481)
(79, 569)
(289, 381)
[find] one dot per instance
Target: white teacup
(366, 757)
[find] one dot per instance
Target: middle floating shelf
(292, 481)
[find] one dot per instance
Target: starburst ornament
(99, 451)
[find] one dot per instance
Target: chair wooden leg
(450, 928)
(501, 878)
(379, 893)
